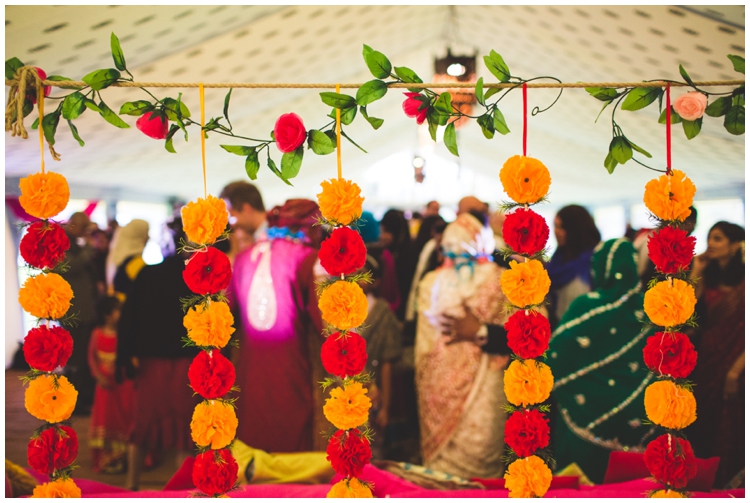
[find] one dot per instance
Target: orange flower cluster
(527, 381)
(343, 305)
(209, 324)
(340, 201)
(50, 398)
(349, 488)
(61, 488)
(44, 195)
(205, 220)
(670, 196)
(46, 296)
(214, 424)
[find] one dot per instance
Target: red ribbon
(524, 119)
(669, 132)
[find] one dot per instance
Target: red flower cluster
(207, 272)
(671, 250)
(56, 448)
(526, 431)
(153, 125)
(343, 252)
(215, 472)
(31, 94)
(525, 231)
(47, 348)
(344, 354)
(211, 375)
(411, 107)
(348, 451)
(289, 132)
(44, 244)
(671, 460)
(670, 354)
(528, 333)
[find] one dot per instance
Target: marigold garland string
(50, 397)
(527, 381)
(208, 322)
(343, 306)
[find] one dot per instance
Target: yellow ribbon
(203, 136)
(40, 104)
(338, 133)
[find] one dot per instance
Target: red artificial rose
(526, 431)
(344, 354)
(46, 348)
(525, 231)
(671, 460)
(289, 132)
(215, 472)
(56, 448)
(31, 94)
(411, 107)
(528, 333)
(343, 252)
(44, 245)
(670, 353)
(207, 272)
(671, 250)
(348, 451)
(211, 375)
(153, 125)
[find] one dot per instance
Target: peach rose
(690, 106)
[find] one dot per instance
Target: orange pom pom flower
(669, 197)
(214, 424)
(669, 405)
(528, 477)
(44, 195)
(667, 493)
(343, 305)
(526, 283)
(527, 382)
(349, 488)
(50, 398)
(347, 407)
(46, 296)
(209, 324)
(340, 201)
(60, 488)
(525, 179)
(670, 303)
(204, 220)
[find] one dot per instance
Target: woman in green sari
(597, 360)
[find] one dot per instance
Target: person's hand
(731, 386)
(460, 329)
(381, 420)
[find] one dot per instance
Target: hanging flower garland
(50, 397)
(670, 302)
(343, 306)
(208, 322)
(528, 380)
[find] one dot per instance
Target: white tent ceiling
(324, 44)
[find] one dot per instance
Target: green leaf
(692, 128)
(610, 163)
(499, 122)
(35, 124)
(319, 142)
(602, 110)
(49, 126)
(272, 167)
(371, 91)
(238, 149)
(449, 138)
(496, 65)
(331, 134)
(252, 166)
(487, 123)
(602, 93)
(641, 97)
(92, 106)
(338, 100)
(620, 149)
(11, 67)
(168, 143)
(111, 117)
(291, 162)
(73, 105)
(348, 115)
(226, 109)
(352, 141)
(376, 61)
(737, 61)
(433, 115)
(117, 54)
(170, 107)
(685, 76)
(734, 121)
(639, 149)
(719, 107)
(74, 130)
(99, 79)
(674, 117)
(479, 90)
(432, 127)
(443, 104)
(136, 108)
(58, 78)
(374, 121)
(407, 75)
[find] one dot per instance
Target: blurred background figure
(99, 243)
(369, 228)
(432, 209)
(396, 238)
(127, 256)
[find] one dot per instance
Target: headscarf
(368, 228)
(131, 240)
(295, 216)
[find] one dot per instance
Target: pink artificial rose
(690, 106)
(289, 132)
(47, 89)
(153, 125)
(411, 107)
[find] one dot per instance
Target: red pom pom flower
(671, 250)
(670, 354)
(525, 231)
(153, 125)
(411, 107)
(344, 354)
(671, 460)
(289, 132)
(529, 333)
(526, 431)
(56, 448)
(31, 94)
(343, 252)
(211, 375)
(215, 472)
(46, 348)
(348, 451)
(207, 272)
(44, 245)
